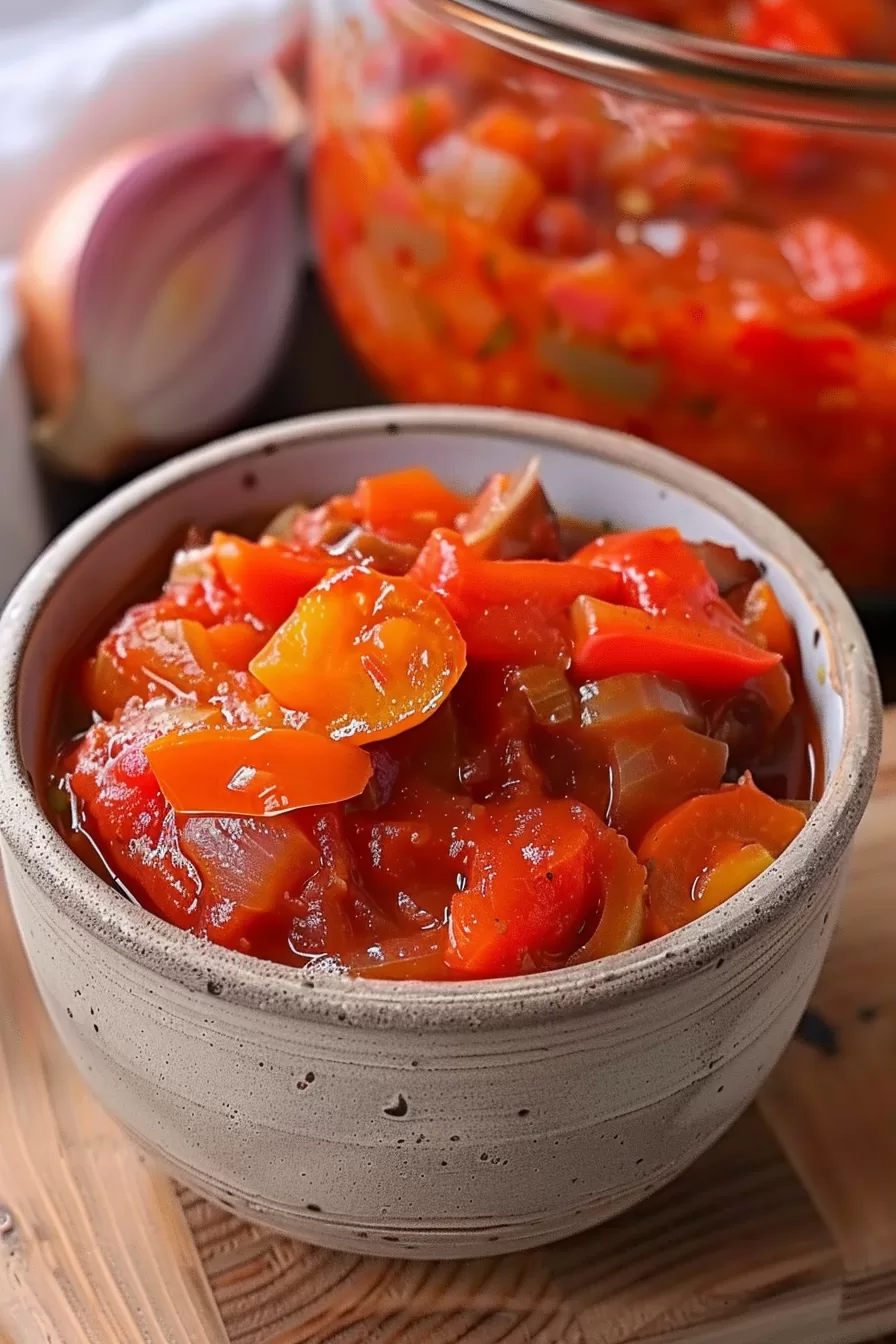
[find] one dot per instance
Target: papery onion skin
(156, 294)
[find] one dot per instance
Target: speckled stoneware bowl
(425, 1119)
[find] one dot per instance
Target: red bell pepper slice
(610, 639)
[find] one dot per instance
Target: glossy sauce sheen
(410, 737)
(492, 232)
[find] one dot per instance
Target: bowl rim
(308, 993)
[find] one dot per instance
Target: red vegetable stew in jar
(836, 29)
(715, 280)
(412, 734)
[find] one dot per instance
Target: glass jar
(547, 206)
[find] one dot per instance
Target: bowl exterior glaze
(425, 1120)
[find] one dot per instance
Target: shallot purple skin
(157, 293)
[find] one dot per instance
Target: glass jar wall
(491, 231)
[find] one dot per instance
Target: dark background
(318, 373)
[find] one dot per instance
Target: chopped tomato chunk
(124, 811)
(535, 893)
(847, 276)
(790, 25)
(147, 655)
(412, 120)
(505, 127)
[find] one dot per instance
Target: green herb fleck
(502, 336)
(490, 266)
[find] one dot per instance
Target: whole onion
(156, 294)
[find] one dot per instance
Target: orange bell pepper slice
(708, 848)
(406, 505)
(252, 772)
(610, 639)
(268, 578)
(365, 654)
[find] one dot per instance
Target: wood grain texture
(93, 1242)
(679, 1261)
(845, 1153)
(99, 1248)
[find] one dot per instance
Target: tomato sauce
(492, 232)
(410, 734)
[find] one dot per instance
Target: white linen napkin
(80, 77)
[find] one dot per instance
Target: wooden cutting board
(785, 1233)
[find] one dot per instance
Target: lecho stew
(411, 734)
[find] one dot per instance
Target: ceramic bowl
(424, 1119)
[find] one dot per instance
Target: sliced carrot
(708, 848)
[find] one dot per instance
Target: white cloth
(80, 77)
(76, 84)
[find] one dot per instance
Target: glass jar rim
(663, 64)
